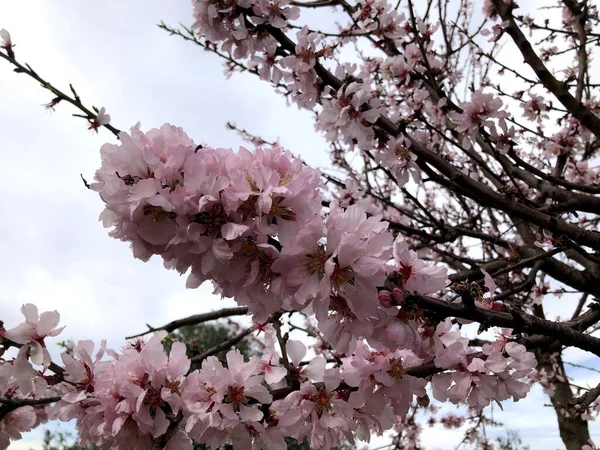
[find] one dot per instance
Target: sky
(56, 253)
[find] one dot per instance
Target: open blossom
(479, 112)
(350, 114)
(380, 17)
(399, 160)
(480, 379)
(305, 52)
(219, 400)
(275, 12)
(80, 380)
(209, 210)
(381, 378)
(19, 380)
(16, 422)
(100, 120)
(534, 109)
(222, 22)
(314, 370)
(316, 413)
(123, 401)
(416, 275)
(33, 331)
(359, 248)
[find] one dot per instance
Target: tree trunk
(573, 429)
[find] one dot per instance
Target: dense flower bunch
(252, 223)
(212, 210)
(142, 397)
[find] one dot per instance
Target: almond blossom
(100, 120)
(33, 331)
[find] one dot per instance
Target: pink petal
(296, 350)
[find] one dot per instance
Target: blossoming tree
(470, 195)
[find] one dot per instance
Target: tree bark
(573, 429)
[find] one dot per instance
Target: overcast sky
(56, 253)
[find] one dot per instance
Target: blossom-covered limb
(583, 402)
(96, 118)
(514, 319)
(574, 106)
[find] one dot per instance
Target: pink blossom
(16, 422)
(33, 331)
(100, 120)
(535, 108)
(479, 112)
(276, 13)
(273, 370)
(416, 275)
(399, 160)
(350, 114)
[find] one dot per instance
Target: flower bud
(6, 42)
(385, 299)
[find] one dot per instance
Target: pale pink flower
(33, 331)
(535, 108)
(416, 275)
(523, 360)
(100, 120)
(16, 422)
(399, 160)
(275, 12)
(476, 113)
(274, 372)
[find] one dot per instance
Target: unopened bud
(388, 299)
(385, 299)
(6, 42)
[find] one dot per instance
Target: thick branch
(222, 346)
(10, 404)
(196, 319)
(559, 89)
(518, 321)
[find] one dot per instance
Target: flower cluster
(222, 214)
(476, 113)
(252, 224)
(145, 397)
(492, 375)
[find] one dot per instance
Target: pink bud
(497, 306)
(385, 299)
(6, 41)
(398, 296)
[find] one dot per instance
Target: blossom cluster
(253, 224)
(143, 396)
(252, 32)
(492, 375)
